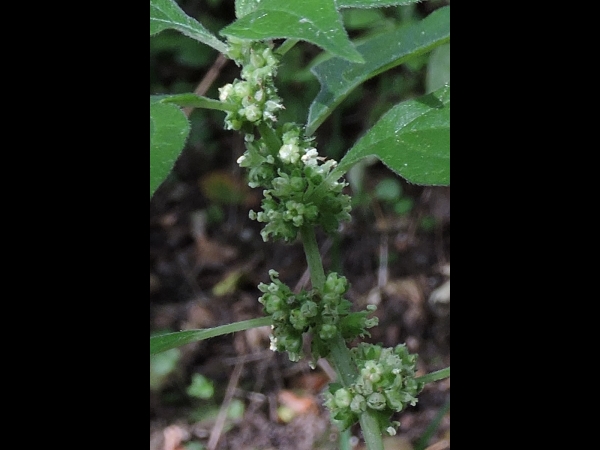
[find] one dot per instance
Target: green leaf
(169, 129)
(438, 68)
(339, 77)
(198, 101)
(315, 21)
(243, 7)
(412, 139)
(373, 3)
(166, 14)
(171, 340)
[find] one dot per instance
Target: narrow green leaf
(339, 77)
(412, 139)
(169, 129)
(167, 14)
(373, 3)
(171, 340)
(315, 21)
(434, 376)
(198, 101)
(243, 7)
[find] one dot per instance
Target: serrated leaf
(243, 7)
(412, 139)
(315, 21)
(166, 14)
(339, 77)
(169, 129)
(373, 3)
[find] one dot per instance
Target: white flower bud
(225, 92)
(310, 157)
(289, 153)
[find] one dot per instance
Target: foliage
(303, 190)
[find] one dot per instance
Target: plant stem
(345, 439)
(340, 354)
(342, 361)
(286, 46)
(434, 376)
(313, 257)
(371, 431)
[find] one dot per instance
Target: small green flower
(343, 398)
(328, 332)
(358, 404)
(376, 401)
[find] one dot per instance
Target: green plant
(302, 190)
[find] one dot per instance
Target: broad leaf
(243, 7)
(315, 21)
(339, 77)
(373, 3)
(166, 14)
(169, 129)
(438, 68)
(412, 139)
(179, 338)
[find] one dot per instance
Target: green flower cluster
(255, 96)
(290, 176)
(288, 167)
(386, 384)
(323, 314)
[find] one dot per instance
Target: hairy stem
(371, 431)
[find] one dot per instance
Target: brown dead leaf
(199, 316)
(213, 254)
(299, 404)
(444, 444)
(209, 253)
(173, 437)
(312, 382)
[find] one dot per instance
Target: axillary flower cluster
(282, 161)
(322, 314)
(298, 192)
(385, 385)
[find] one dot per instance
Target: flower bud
(376, 401)
(225, 92)
(343, 398)
(358, 404)
(327, 332)
(252, 113)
